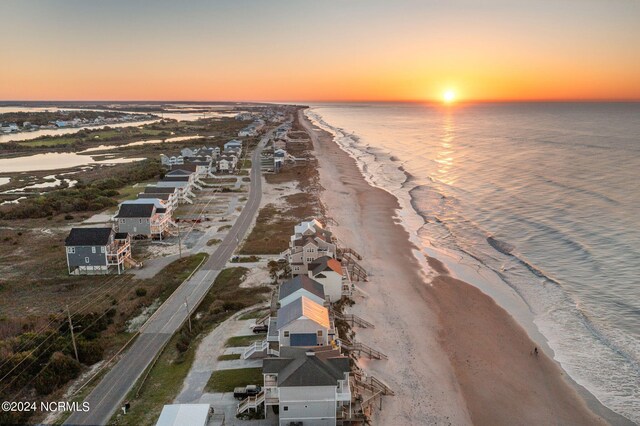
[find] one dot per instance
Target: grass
(228, 380)
(246, 259)
(228, 357)
(254, 315)
(213, 242)
(246, 164)
(242, 341)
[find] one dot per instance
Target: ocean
(541, 199)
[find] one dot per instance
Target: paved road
(109, 394)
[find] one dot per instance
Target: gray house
(309, 385)
(136, 219)
(96, 250)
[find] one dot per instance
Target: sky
(330, 50)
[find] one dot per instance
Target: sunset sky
(319, 50)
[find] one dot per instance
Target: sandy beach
(455, 356)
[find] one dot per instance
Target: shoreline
(434, 327)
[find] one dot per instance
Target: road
(108, 395)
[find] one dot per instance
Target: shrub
(140, 292)
(60, 369)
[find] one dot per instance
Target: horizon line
(297, 102)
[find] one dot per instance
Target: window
(285, 408)
(286, 334)
(102, 249)
(140, 220)
(86, 260)
(319, 333)
(310, 259)
(71, 250)
(93, 250)
(123, 220)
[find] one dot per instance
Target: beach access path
(111, 391)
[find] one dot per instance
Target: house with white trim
(299, 286)
(304, 322)
(96, 251)
(310, 386)
(328, 272)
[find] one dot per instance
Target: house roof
(179, 172)
(306, 367)
(158, 195)
(188, 166)
(301, 282)
(184, 414)
(135, 210)
(159, 190)
(325, 263)
(170, 178)
(155, 201)
(303, 307)
(88, 237)
(121, 236)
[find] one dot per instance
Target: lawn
(228, 380)
(228, 357)
(242, 341)
(254, 315)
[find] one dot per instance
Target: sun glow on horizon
(449, 96)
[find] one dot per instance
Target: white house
(304, 322)
(328, 272)
(310, 386)
(300, 286)
(169, 194)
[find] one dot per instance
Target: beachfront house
(328, 272)
(170, 194)
(310, 386)
(309, 242)
(182, 187)
(181, 175)
(96, 251)
(300, 286)
(143, 220)
(304, 322)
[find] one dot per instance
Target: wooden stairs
(361, 348)
(250, 403)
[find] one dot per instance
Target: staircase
(356, 272)
(350, 251)
(361, 348)
(263, 319)
(256, 350)
(353, 320)
(250, 402)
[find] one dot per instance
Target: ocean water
(543, 197)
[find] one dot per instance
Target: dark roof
(161, 210)
(301, 282)
(303, 367)
(175, 179)
(88, 237)
(188, 166)
(156, 195)
(121, 236)
(179, 172)
(159, 190)
(135, 210)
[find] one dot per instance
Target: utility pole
(179, 241)
(186, 304)
(73, 337)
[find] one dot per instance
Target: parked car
(260, 328)
(246, 391)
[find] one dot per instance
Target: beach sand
(455, 356)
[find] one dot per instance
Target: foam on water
(451, 220)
